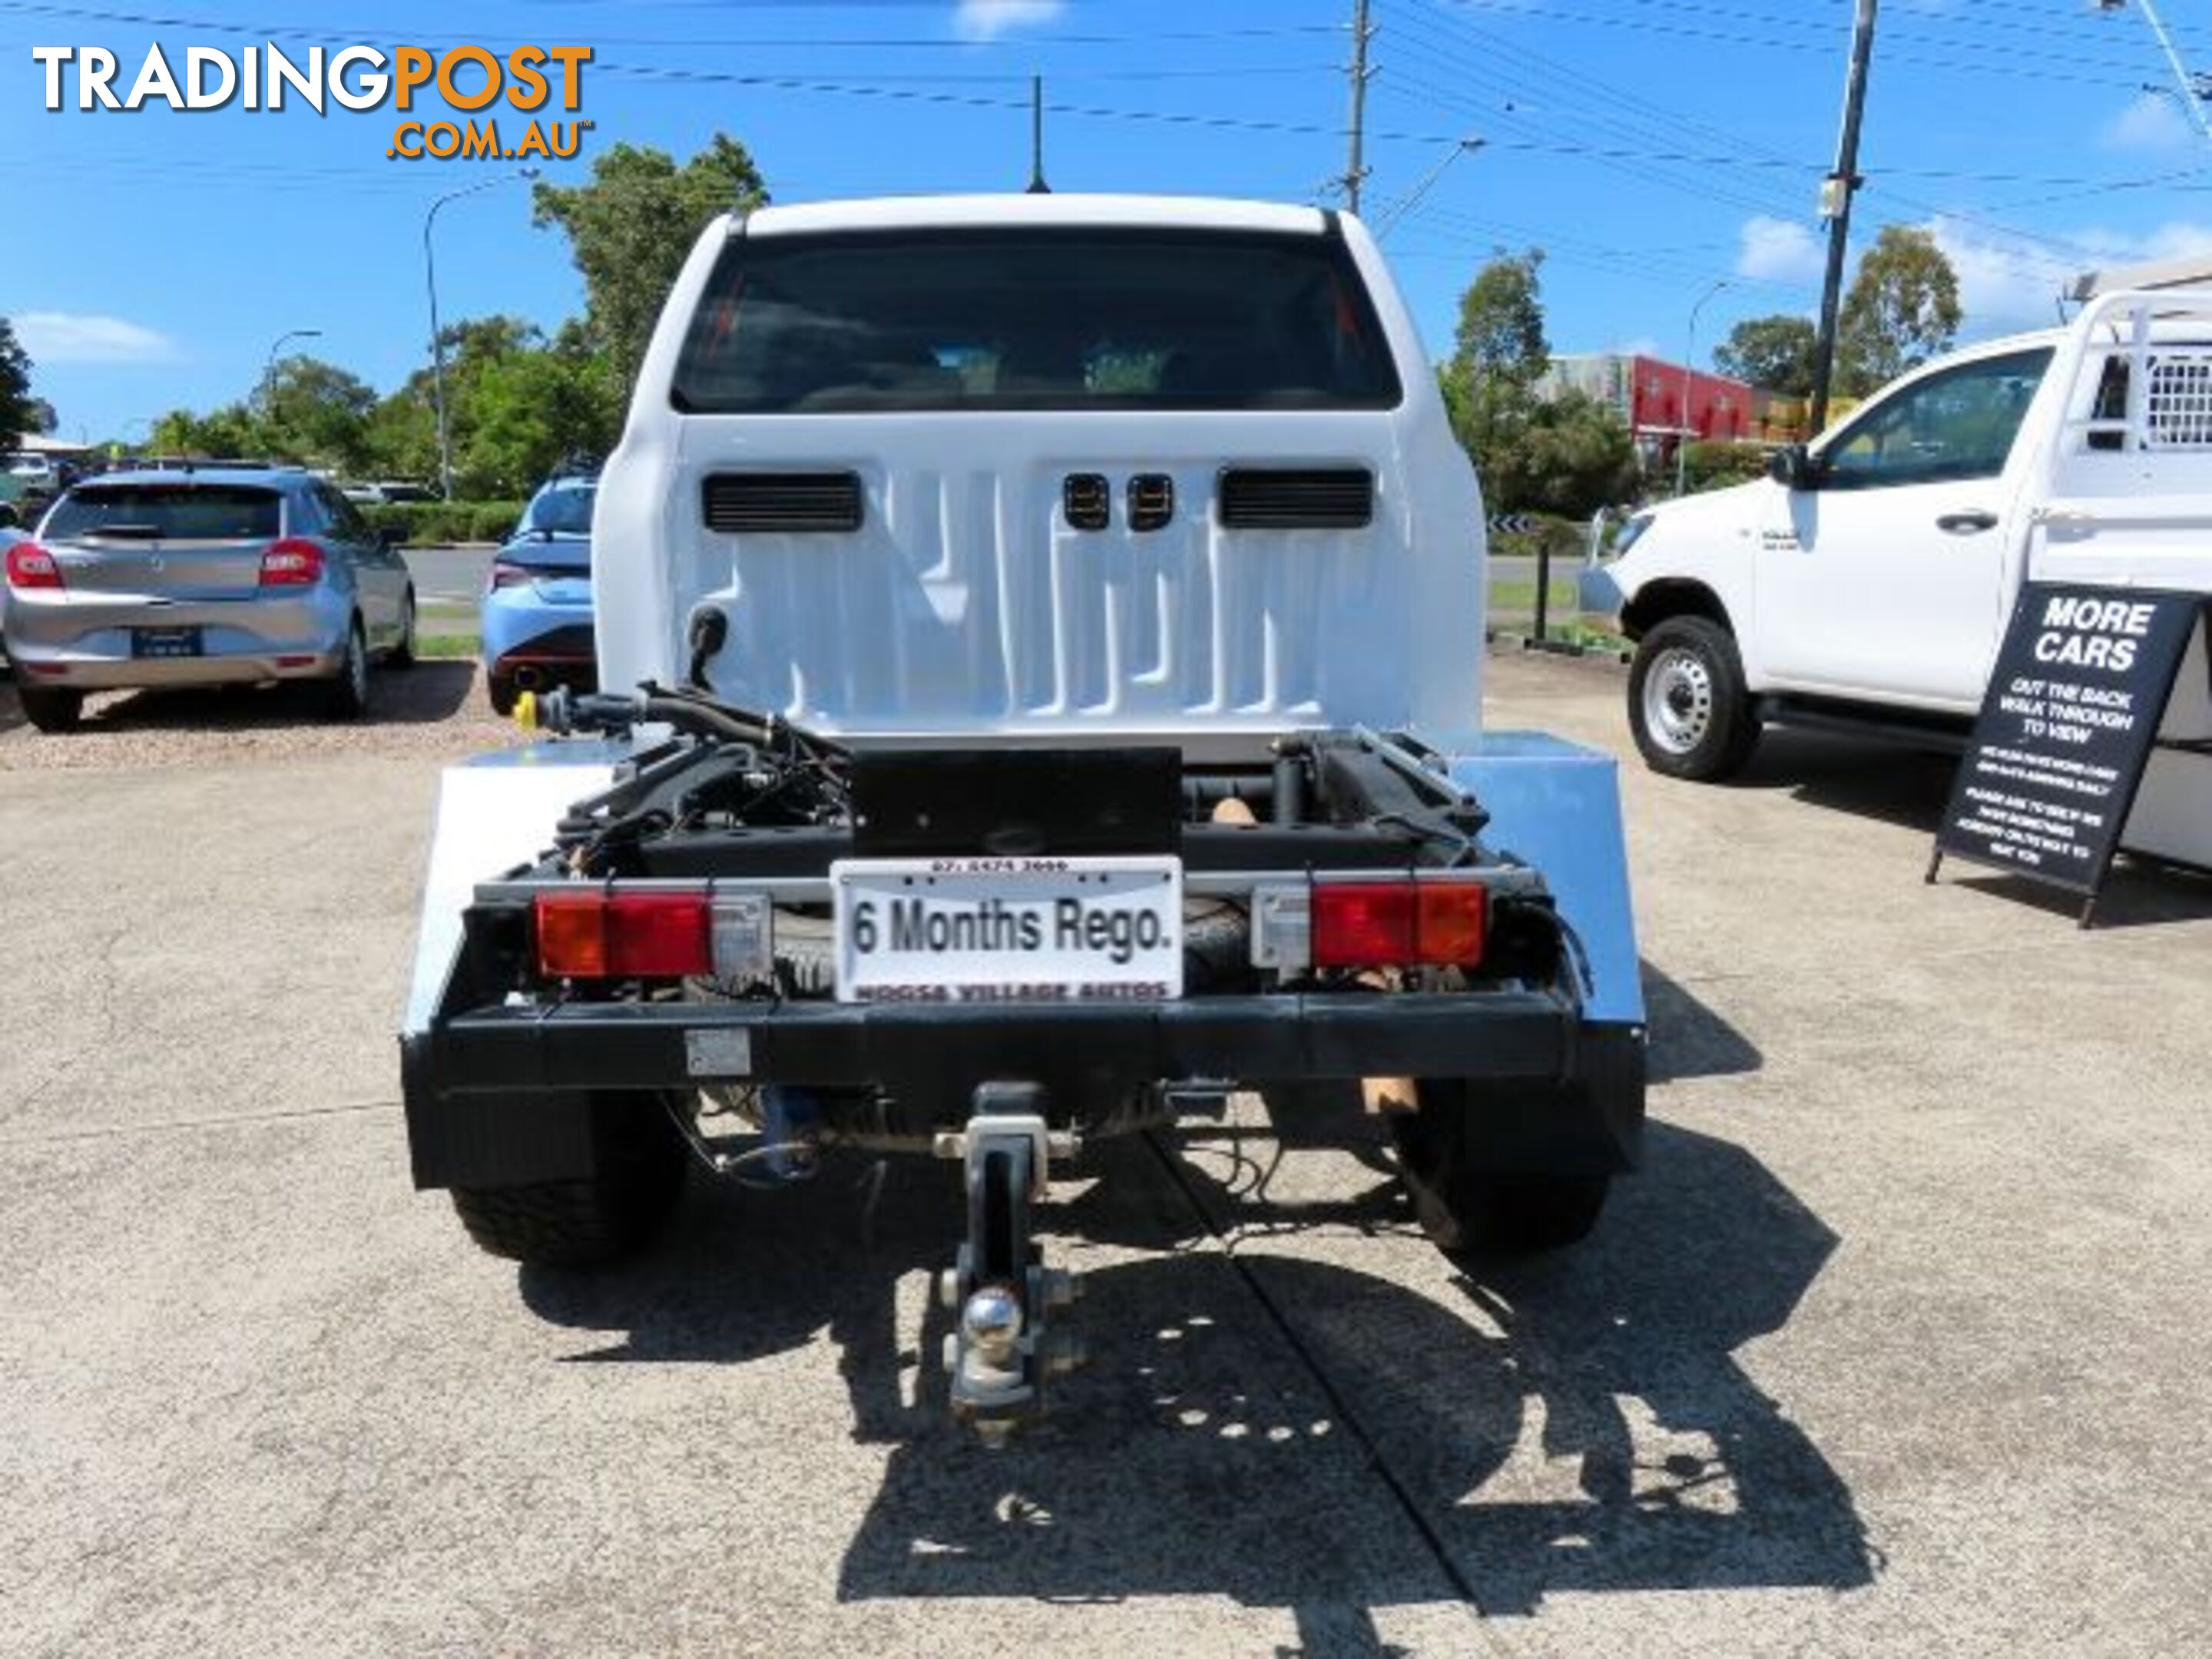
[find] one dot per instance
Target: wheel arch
(1674, 596)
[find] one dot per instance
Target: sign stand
(2087, 690)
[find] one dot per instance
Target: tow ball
(1002, 1348)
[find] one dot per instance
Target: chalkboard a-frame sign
(2066, 726)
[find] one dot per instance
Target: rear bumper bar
(493, 1096)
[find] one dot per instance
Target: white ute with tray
(1866, 586)
(1044, 643)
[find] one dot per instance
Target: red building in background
(1662, 403)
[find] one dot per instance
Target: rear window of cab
(1056, 319)
(169, 513)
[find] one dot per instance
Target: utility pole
(1037, 186)
(1355, 171)
(1836, 206)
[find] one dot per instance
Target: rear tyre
(402, 654)
(1473, 1211)
(1687, 703)
(600, 1218)
(50, 710)
(499, 688)
(346, 697)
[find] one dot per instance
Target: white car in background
(1866, 585)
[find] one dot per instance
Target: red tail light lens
(1399, 924)
(1451, 924)
(293, 562)
(624, 936)
(1363, 924)
(506, 574)
(30, 565)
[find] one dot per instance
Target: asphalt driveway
(1895, 1347)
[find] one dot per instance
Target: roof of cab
(941, 212)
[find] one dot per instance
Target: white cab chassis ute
(1051, 635)
(1865, 586)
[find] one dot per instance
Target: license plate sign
(1013, 930)
(165, 641)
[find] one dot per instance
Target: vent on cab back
(738, 503)
(1304, 498)
(1085, 498)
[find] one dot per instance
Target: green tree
(316, 412)
(630, 229)
(1902, 309)
(528, 412)
(230, 432)
(1566, 453)
(1569, 454)
(1501, 324)
(1775, 354)
(17, 415)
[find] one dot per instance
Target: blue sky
(1653, 147)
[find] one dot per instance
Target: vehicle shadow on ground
(1868, 779)
(1688, 1039)
(1908, 788)
(422, 695)
(1578, 1423)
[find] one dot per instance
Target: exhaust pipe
(528, 677)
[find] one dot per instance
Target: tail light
(293, 562)
(505, 573)
(624, 935)
(1399, 924)
(30, 565)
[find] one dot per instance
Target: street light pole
(2192, 103)
(437, 334)
(1466, 146)
(1689, 384)
(269, 372)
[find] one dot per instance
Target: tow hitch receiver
(1001, 1294)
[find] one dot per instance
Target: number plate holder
(159, 643)
(1008, 929)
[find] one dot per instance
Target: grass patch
(447, 646)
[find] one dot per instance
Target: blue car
(537, 608)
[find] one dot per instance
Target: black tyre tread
(402, 654)
(1475, 1212)
(51, 711)
(501, 692)
(554, 1223)
(1727, 746)
(339, 700)
(596, 1220)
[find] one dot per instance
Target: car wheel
(1687, 705)
(346, 697)
(402, 654)
(1474, 1211)
(50, 710)
(499, 688)
(600, 1218)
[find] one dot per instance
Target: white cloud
(2006, 282)
(1778, 249)
(70, 336)
(986, 20)
(2153, 122)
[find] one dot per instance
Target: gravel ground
(1895, 1347)
(434, 709)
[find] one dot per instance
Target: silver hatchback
(203, 576)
